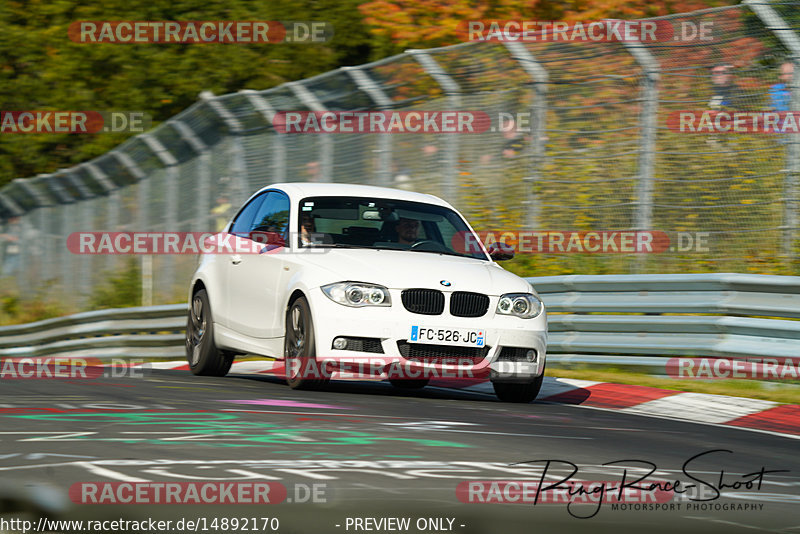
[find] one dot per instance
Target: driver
(407, 231)
(307, 227)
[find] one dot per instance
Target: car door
(255, 279)
(224, 262)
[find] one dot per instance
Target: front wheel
(299, 348)
(204, 357)
(518, 391)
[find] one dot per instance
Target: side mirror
(267, 238)
(500, 251)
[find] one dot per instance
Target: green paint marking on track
(221, 429)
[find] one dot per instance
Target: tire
(203, 356)
(518, 391)
(409, 384)
(300, 349)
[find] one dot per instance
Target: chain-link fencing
(590, 151)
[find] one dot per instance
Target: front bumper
(392, 324)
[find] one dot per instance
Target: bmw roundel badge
(445, 283)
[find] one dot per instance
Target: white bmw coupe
(332, 277)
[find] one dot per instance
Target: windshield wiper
(446, 253)
(347, 245)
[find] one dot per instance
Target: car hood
(405, 269)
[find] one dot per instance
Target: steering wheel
(435, 246)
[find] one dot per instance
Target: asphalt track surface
(373, 451)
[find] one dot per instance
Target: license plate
(447, 336)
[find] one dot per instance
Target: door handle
(236, 260)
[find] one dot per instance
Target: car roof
(299, 190)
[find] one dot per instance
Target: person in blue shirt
(779, 94)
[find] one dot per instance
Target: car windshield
(380, 223)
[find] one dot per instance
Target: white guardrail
(623, 320)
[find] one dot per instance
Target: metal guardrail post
(203, 203)
(238, 165)
(538, 74)
(453, 92)
(787, 36)
(266, 109)
(368, 85)
(326, 141)
(170, 200)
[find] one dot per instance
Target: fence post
(453, 92)
(647, 123)
(203, 204)
(64, 199)
(786, 35)
(170, 202)
(85, 222)
(263, 106)
(112, 206)
(373, 90)
(142, 221)
(326, 141)
(33, 189)
(16, 211)
(538, 74)
(238, 164)
(647, 142)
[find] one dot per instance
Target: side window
(244, 219)
(273, 217)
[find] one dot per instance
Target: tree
(42, 69)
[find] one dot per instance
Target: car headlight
(524, 305)
(356, 294)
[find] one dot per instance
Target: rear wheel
(299, 348)
(518, 391)
(203, 356)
